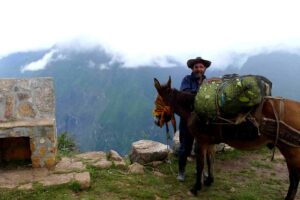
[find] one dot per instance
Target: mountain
(107, 106)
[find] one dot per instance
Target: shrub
(66, 143)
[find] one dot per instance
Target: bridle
(161, 110)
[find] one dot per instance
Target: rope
(168, 137)
(277, 128)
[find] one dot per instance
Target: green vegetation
(66, 144)
(235, 179)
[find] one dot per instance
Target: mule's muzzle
(156, 121)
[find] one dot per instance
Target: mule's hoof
(208, 181)
(194, 191)
(289, 198)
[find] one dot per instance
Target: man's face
(199, 69)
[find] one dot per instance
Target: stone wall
(27, 109)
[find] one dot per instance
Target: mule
(246, 136)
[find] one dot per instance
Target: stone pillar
(27, 109)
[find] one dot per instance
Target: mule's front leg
(294, 182)
(200, 167)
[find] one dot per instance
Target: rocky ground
(67, 170)
(106, 175)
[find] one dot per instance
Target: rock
(228, 148)
(98, 159)
(9, 186)
(159, 174)
(114, 156)
(26, 110)
(145, 151)
(136, 168)
(116, 159)
(83, 179)
(57, 179)
(91, 157)
(120, 164)
(190, 159)
(27, 186)
(157, 197)
(176, 143)
(24, 179)
(69, 165)
(220, 147)
(102, 164)
(232, 189)
(156, 163)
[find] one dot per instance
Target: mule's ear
(156, 84)
(169, 82)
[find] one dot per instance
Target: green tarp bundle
(231, 95)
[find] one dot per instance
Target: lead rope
(168, 137)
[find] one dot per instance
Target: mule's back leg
(200, 157)
(210, 154)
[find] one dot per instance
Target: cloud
(43, 62)
(103, 67)
(142, 31)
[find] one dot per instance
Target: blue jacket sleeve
(186, 84)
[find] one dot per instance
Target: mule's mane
(184, 99)
(182, 102)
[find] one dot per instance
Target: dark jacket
(190, 83)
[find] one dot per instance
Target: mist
(163, 33)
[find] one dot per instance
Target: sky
(145, 30)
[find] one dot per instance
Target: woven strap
(278, 118)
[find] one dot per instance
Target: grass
(245, 183)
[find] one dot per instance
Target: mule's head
(164, 90)
(163, 111)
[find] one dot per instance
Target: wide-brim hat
(191, 62)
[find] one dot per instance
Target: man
(190, 83)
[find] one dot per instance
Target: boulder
(146, 151)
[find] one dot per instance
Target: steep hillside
(107, 106)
